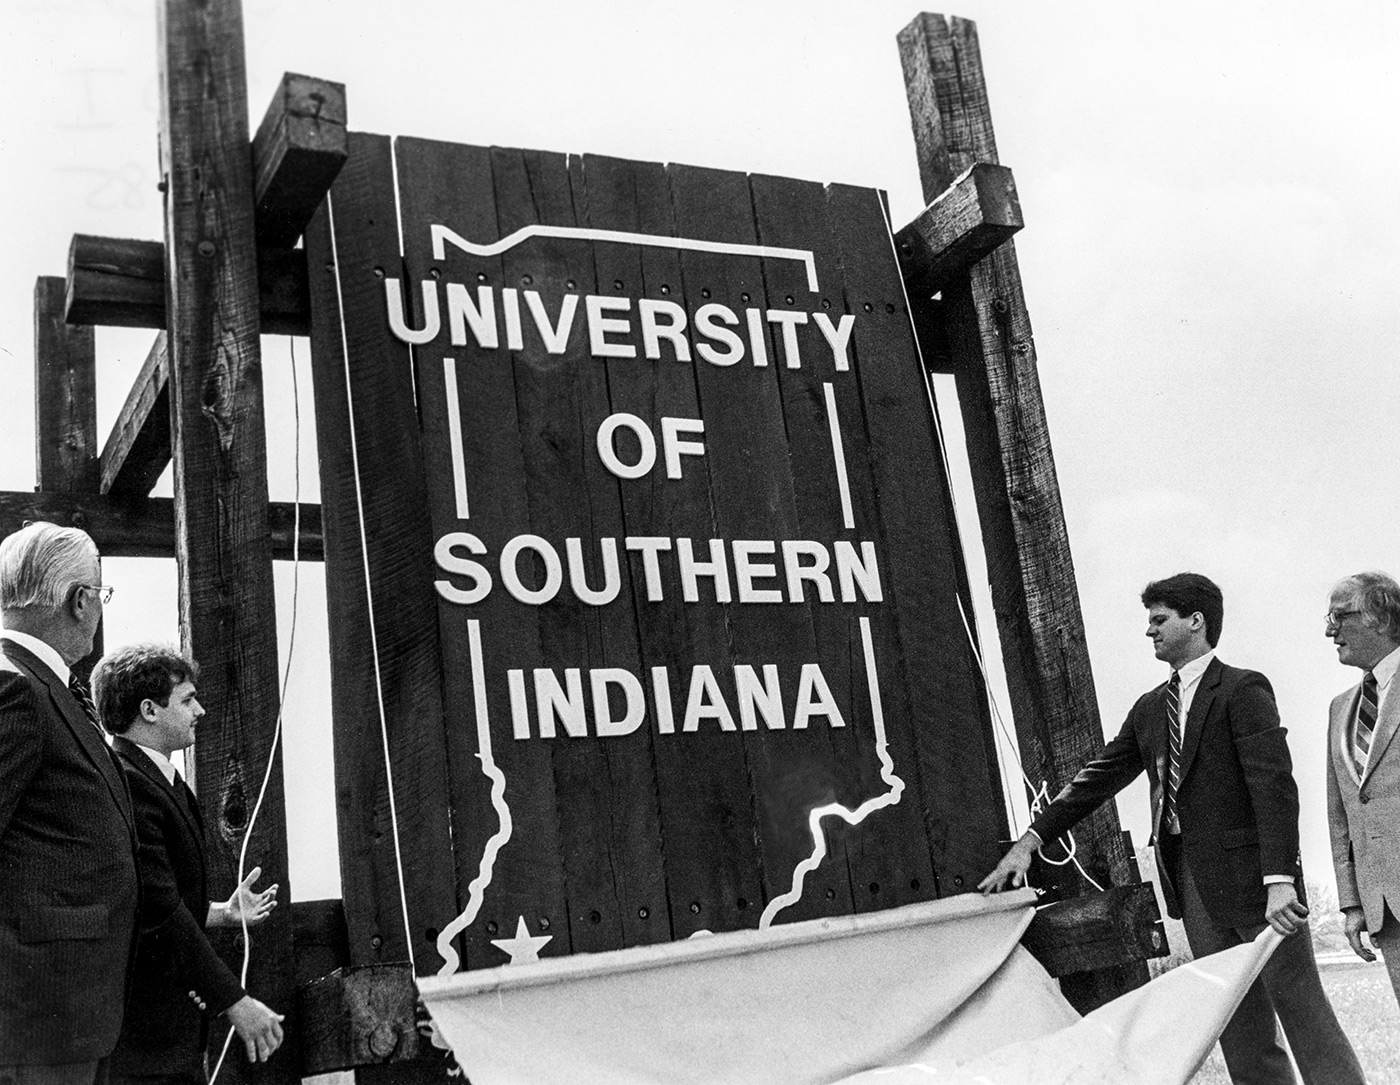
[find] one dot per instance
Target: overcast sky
(1210, 260)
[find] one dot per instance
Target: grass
(1369, 1015)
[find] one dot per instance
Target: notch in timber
(973, 216)
(299, 148)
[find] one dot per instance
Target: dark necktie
(78, 688)
(1365, 722)
(1169, 818)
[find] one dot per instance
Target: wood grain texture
(362, 1016)
(145, 527)
(709, 827)
(300, 146)
(65, 396)
(1023, 527)
(888, 855)
(451, 183)
(137, 451)
(118, 282)
(963, 224)
(223, 551)
(384, 646)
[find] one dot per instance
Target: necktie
(1169, 818)
(80, 693)
(1365, 722)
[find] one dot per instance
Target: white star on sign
(524, 948)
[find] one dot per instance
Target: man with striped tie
(1363, 765)
(1225, 822)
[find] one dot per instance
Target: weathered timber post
(985, 340)
(227, 605)
(65, 411)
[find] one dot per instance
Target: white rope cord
(282, 698)
(1040, 796)
(369, 590)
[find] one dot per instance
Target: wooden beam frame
(138, 449)
(300, 147)
(145, 527)
(982, 330)
(219, 448)
(970, 218)
(120, 283)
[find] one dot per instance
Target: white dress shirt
(162, 762)
(45, 653)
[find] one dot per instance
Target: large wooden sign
(640, 555)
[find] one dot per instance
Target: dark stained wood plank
(453, 185)
(751, 489)
(361, 1016)
(926, 576)
(137, 451)
(964, 223)
(117, 282)
(1023, 528)
(610, 833)
(384, 654)
(299, 148)
(223, 551)
(1097, 930)
(888, 855)
(709, 832)
(145, 527)
(65, 396)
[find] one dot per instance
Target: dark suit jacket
(68, 885)
(178, 979)
(1237, 802)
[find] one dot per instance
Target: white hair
(41, 563)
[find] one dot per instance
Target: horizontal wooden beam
(118, 282)
(360, 1016)
(145, 528)
(138, 449)
(973, 216)
(1097, 930)
(298, 150)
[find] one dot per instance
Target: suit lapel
(1386, 724)
(1195, 720)
(89, 741)
(142, 763)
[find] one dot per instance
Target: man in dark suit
(68, 876)
(1225, 822)
(147, 699)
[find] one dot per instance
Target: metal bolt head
(206, 248)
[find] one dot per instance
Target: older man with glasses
(1363, 765)
(68, 849)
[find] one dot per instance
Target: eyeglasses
(104, 592)
(1336, 617)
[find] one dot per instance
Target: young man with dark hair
(1363, 764)
(147, 698)
(1225, 822)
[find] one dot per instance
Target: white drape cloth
(928, 993)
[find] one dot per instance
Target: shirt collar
(162, 762)
(1191, 672)
(45, 653)
(1385, 669)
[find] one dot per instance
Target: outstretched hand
(246, 902)
(1011, 871)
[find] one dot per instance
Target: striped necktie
(80, 693)
(1169, 818)
(1365, 722)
